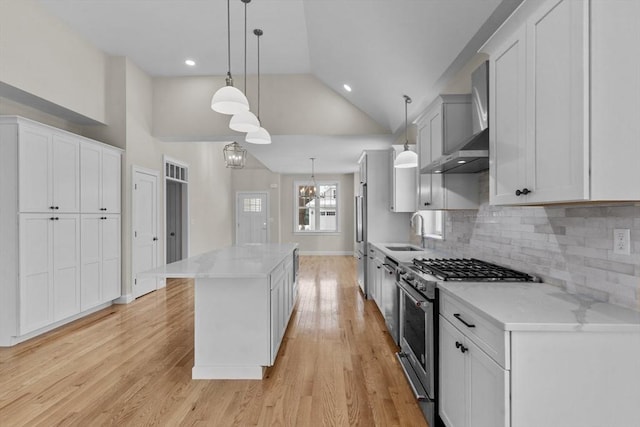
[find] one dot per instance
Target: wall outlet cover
(622, 241)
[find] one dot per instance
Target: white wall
(42, 56)
(291, 104)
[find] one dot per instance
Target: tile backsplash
(566, 245)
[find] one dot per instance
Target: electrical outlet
(622, 241)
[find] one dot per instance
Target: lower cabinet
(100, 270)
(50, 269)
(283, 293)
(473, 386)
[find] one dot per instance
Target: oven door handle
(420, 395)
(409, 294)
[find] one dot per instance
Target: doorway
(176, 210)
(144, 229)
(252, 217)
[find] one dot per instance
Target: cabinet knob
(52, 218)
(427, 203)
(524, 192)
(103, 209)
(462, 348)
(57, 218)
(52, 207)
(155, 238)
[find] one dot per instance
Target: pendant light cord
(259, 75)
(407, 101)
(228, 40)
(245, 48)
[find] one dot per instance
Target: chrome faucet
(421, 226)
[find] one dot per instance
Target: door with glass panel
(252, 218)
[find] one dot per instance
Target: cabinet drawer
(486, 335)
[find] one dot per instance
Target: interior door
(174, 221)
(145, 231)
(251, 218)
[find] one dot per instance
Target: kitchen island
(244, 297)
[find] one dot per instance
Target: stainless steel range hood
(472, 155)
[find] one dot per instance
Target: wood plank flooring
(130, 365)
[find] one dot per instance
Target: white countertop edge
(541, 326)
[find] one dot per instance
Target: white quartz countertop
(541, 307)
(253, 260)
(408, 256)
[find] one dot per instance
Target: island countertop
(252, 260)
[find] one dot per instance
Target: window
(316, 208)
(433, 224)
(252, 205)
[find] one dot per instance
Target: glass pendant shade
(406, 159)
(234, 155)
(229, 100)
(260, 136)
(244, 121)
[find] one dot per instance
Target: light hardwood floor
(131, 365)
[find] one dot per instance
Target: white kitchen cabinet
(50, 265)
(445, 124)
(472, 386)
(509, 349)
(49, 178)
(100, 270)
(281, 302)
(555, 133)
(402, 188)
(99, 170)
(42, 259)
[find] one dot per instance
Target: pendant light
(408, 158)
(234, 155)
(260, 136)
(228, 99)
(310, 190)
(245, 121)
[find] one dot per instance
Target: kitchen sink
(402, 248)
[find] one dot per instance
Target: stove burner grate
(471, 269)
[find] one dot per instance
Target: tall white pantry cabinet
(60, 227)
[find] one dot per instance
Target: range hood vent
(472, 155)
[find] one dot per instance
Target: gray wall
(566, 245)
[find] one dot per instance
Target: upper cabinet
(563, 120)
(402, 194)
(100, 169)
(445, 124)
(49, 170)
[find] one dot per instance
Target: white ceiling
(382, 48)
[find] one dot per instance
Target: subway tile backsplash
(569, 246)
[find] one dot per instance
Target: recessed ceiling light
(437, 171)
(190, 62)
(462, 162)
(347, 87)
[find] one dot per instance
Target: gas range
(423, 274)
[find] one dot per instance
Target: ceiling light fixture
(228, 99)
(234, 155)
(260, 136)
(346, 87)
(245, 121)
(190, 62)
(310, 191)
(408, 158)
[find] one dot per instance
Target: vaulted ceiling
(381, 48)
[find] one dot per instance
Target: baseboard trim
(326, 253)
(13, 340)
(124, 299)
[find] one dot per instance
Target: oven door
(417, 334)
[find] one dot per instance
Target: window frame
(296, 208)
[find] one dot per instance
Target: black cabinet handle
(155, 238)
(103, 209)
(52, 218)
(52, 207)
(57, 207)
(172, 234)
(524, 192)
(57, 219)
(427, 203)
(103, 217)
(462, 348)
(468, 325)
